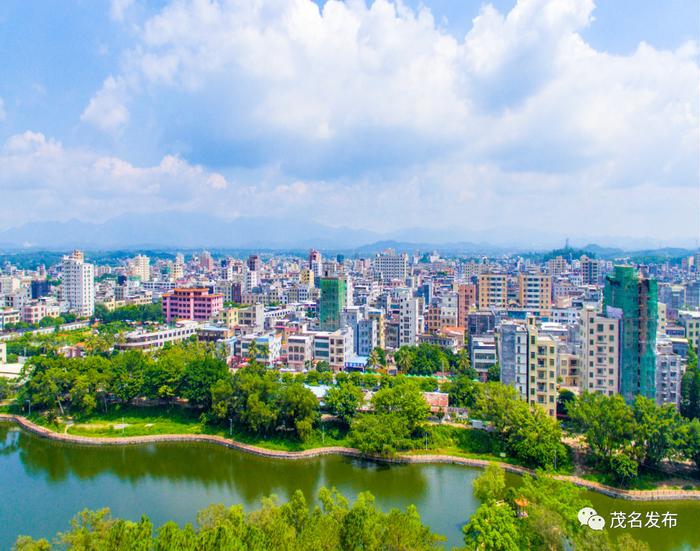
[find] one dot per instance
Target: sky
(560, 116)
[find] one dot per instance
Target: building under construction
(634, 300)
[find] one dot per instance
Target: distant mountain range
(176, 230)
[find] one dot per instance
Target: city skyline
(546, 119)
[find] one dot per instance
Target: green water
(44, 483)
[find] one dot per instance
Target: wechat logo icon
(589, 517)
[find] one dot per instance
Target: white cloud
(370, 106)
(62, 182)
(106, 109)
(2, 109)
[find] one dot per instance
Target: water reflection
(212, 466)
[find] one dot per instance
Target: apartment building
(78, 284)
(600, 352)
(535, 291)
(493, 291)
(191, 303)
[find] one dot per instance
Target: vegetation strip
(633, 495)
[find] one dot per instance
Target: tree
(333, 525)
(492, 527)
(343, 401)
(491, 485)
(404, 400)
(528, 433)
(128, 375)
(373, 359)
(462, 391)
(494, 373)
(565, 396)
(403, 358)
(623, 466)
(691, 442)
(607, 423)
(657, 431)
(323, 367)
(298, 409)
(198, 378)
(462, 364)
(4, 388)
(380, 434)
(690, 386)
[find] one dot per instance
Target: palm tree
(373, 359)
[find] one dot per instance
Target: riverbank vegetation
(333, 524)
(625, 441)
(540, 514)
(87, 396)
(190, 390)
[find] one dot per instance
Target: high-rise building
(315, 262)
(78, 284)
(512, 347)
(410, 320)
(535, 291)
(466, 300)
(634, 300)
(557, 266)
(590, 271)
(206, 261)
(254, 263)
(669, 372)
(542, 371)
(331, 302)
(600, 352)
(391, 266)
(493, 291)
(141, 268)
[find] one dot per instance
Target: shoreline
(618, 493)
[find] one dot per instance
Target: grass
(146, 421)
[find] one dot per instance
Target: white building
(78, 284)
(141, 267)
(391, 266)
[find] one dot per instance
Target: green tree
(380, 434)
(494, 373)
(4, 388)
(657, 431)
(463, 392)
(492, 527)
(690, 386)
(607, 423)
(373, 359)
(199, 376)
(691, 442)
(404, 400)
(343, 401)
(491, 484)
(298, 409)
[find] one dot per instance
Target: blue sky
(443, 114)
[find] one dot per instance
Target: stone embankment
(635, 495)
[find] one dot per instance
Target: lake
(43, 483)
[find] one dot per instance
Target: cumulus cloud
(107, 110)
(355, 102)
(59, 181)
